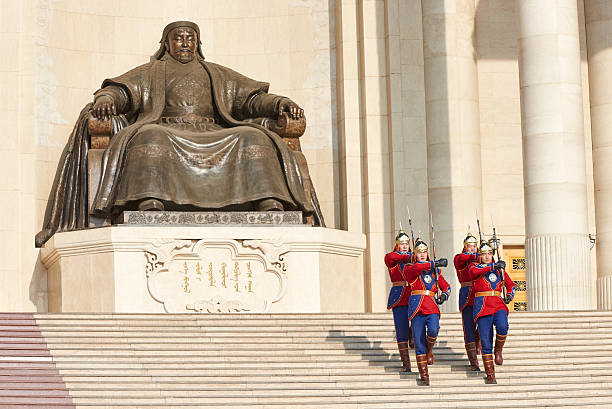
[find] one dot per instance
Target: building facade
(489, 109)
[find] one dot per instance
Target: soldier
(462, 262)
(425, 278)
(399, 296)
(489, 307)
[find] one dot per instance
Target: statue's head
(181, 40)
(181, 44)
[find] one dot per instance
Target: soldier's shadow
(457, 360)
(372, 352)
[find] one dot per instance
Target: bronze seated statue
(181, 133)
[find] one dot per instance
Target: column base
(604, 293)
(558, 273)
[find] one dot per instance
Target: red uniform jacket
(462, 264)
(486, 278)
(422, 276)
(396, 262)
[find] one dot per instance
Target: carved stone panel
(216, 275)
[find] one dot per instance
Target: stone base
(150, 269)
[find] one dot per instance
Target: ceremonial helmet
(485, 248)
(470, 239)
(402, 238)
(420, 246)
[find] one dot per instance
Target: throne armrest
(287, 128)
(100, 131)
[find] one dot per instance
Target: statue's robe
(220, 162)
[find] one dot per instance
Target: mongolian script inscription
(216, 275)
(237, 277)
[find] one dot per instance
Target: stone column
(599, 45)
(557, 245)
(454, 172)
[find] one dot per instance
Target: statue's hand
(291, 108)
(104, 107)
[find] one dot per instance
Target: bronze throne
(101, 131)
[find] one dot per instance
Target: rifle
(411, 231)
(495, 240)
(433, 249)
(479, 232)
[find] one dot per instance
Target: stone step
(268, 327)
(408, 380)
(374, 354)
(237, 321)
(332, 325)
(352, 347)
(286, 317)
(595, 402)
(415, 391)
(42, 401)
(387, 339)
(288, 361)
(371, 356)
(421, 400)
(121, 348)
(216, 371)
(456, 375)
(299, 332)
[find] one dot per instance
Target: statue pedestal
(151, 269)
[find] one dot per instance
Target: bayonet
(410, 223)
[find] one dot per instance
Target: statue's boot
(268, 205)
(410, 338)
(500, 340)
(151, 205)
(404, 352)
(470, 348)
(477, 341)
(430, 343)
(423, 372)
(487, 360)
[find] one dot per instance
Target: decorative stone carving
(216, 275)
(212, 218)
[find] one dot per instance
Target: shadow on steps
(372, 351)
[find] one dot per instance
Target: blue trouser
(419, 322)
(469, 327)
(402, 324)
(485, 328)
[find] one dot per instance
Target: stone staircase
(292, 360)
